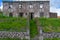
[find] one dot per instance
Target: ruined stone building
(23, 8)
(53, 15)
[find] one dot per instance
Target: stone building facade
(23, 8)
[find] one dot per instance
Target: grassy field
(50, 24)
(33, 29)
(12, 23)
(52, 39)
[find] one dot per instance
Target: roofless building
(35, 8)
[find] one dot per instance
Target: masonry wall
(53, 15)
(15, 10)
(21, 35)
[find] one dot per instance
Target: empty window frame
(30, 6)
(10, 6)
(41, 5)
(20, 5)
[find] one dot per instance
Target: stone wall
(51, 35)
(22, 35)
(44, 35)
(53, 15)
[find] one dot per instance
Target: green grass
(52, 39)
(11, 39)
(50, 24)
(33, 29)
(12, 23)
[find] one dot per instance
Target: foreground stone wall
(22, 35)
(51, 35)
(44, 35)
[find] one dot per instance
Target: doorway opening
(10, 14)
(21, 14)
(31, 15)
(41, 14)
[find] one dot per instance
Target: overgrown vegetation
(12, 23)
(33, 29)
(52, 39)
(50, 24)
(19, 24)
